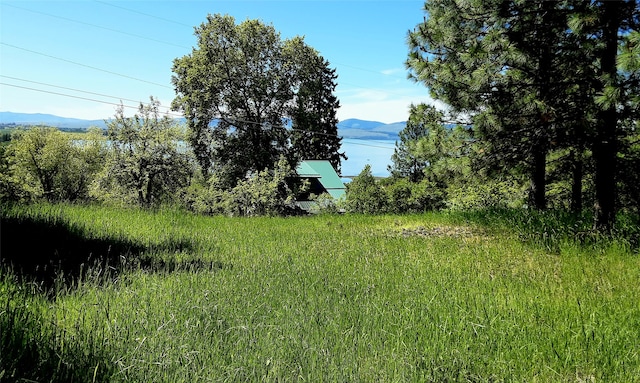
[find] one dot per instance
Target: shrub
(365, 195)
(489, 194)
(326, 204)
(44, 162)
(404, 196)
(264, 193)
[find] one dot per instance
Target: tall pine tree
(495, 60)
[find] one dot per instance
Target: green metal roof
(326, 174)
(305, 170)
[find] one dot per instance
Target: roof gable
(326, 174)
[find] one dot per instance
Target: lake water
(376, 153)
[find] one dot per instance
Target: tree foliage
(365, 194)
(44, 162)
(536, 78)
(240, 88)
(146, 163)
(313, 111)
(263, 193)
(493, 60)
(406, 161)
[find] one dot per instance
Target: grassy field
(172, 297)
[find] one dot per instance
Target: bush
(44, 162)
(399, 196)
(489, 194)
(326, 204)
(428, 196)
(264, 193)
(404, 196)
(365, 195)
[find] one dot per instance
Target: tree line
(542, 103)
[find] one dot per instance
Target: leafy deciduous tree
(145, 162)
(238, 89)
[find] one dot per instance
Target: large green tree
(493, 60)
(536, 78)
(313, 111)
(608, 27)
(238, 89)
(629, 169)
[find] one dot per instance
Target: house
(322, 178)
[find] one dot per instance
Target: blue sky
(123, 50)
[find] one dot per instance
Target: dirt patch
(442, 231)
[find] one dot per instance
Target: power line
(66, 95)
(168, 43)
(85, 65)
(98, 26)
(144, 14)
(191, 26)
(369, 145)
(77, 90)
(236, 121)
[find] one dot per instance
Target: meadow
(125, 295)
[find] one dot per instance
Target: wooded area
(541, 111)
(541, 80)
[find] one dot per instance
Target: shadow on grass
(51, 252)
(34, 350)
(57, 255)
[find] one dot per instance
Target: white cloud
(387, 111)
(384, 105)
(392, 71)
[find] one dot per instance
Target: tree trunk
(605, 146)
(576, 181)
(540, 143)
(538, 177)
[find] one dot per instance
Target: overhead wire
(78, 90)
(97, 26)
(116, 73)
(84, 65)
(143, 13)
(191, 26)
(182, 46)
(237, 121)
(65, 95)
(135, 78)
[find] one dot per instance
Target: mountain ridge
(349, 128)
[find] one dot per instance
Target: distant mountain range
(350, 128)
(48, 119)
(371, 130)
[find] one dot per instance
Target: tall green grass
(434, 298)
